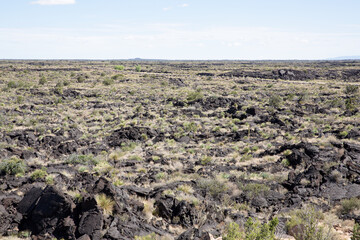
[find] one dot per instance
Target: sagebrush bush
(356, 232)
(349, 205)
(351, 89)
(305, 224)
(193, 96)
(212, 186)
(254, 230)
(108, 81)
(39, 174)
(275, 101)
(12, 166)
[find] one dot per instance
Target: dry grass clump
(106, 203)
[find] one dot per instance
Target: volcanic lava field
(179, 150)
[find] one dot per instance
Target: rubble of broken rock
(176, 151)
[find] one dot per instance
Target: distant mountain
(346, 58)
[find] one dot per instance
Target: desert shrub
(19, 99)
(255, 189)
(275, 101)
(356, 232)
(212, 186)
(49, 180)
(80, 79)
(151, 236)
(195, 95)
(119, 67)
(205, 160)
(304, 224)
(138, 68)
(39, 174)
(351, 103)
(12, 166)
(349, 205)
(81, 159)
(105, 202)
(42, 80)
(59, 87)
(117, 76)
(351, 89)
(190, 126)
(108, 81)
(233, 232)
(254, 230)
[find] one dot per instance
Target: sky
(179, 29)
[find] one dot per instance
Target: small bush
(80, 79)
(304, 224)
(117, 76)
(193, 96)
(351, 89)
(12, 84)
(12, 166)
(151, 236)
(275, 101)
(205, 160)
(108, 81)
(255, 189)
(39, 174)
(81, 159)
(213, 186)
(356, 232)
(138, 68)
(42, 80)
(119, 67)
(105, 202)
(233, 232)
(349, 205)
(254, 230)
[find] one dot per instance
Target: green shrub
(108, 81)
(193, 96)
(213, 186)
(42, 80)
(39, 174)
(117, 76)
(351, 89)
(138, 68)
(255, 189)
(80, 79)
(151, 236)
(12, 84)
(12, 166)
(275, 101)
(233, 232)
(254, 230)
(304, 224)
(205, 160)
(351, 103)
(81, 159)
(119, 67)
(356, 232)
(349, 205)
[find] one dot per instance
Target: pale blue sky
(179, 29)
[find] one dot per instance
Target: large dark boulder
(43, 211)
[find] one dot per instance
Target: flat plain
(179, 149)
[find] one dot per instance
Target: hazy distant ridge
(346, 58)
